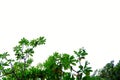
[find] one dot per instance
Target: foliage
(57, 67)
(18, 69)
(110, 71)
(96, 78)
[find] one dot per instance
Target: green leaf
(17, 49)
(4, 55)
(29, 51)
(38, 41)
(5, 64)
(81, 67)
(41, 40)
(29, 61)
(24, 41)
(33, 43)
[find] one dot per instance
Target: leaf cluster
(17, 69)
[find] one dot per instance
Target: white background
(66, 24)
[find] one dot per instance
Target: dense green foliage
(59, 66)
(110, 71)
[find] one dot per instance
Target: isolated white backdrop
(66, 24)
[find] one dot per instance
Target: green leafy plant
(23, 53)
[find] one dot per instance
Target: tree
(59, 63)
(110, 71)
(56, 67)
(11, 68)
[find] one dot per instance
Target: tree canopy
(59, 66)
(110, 71)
